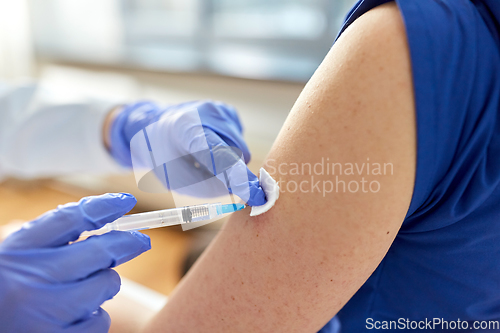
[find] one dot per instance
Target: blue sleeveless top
(445, 260)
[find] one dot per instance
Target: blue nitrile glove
(48, 285)
(174, 126)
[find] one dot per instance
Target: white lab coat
(41, 136)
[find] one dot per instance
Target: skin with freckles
(293, 268)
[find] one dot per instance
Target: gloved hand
(48, 285)
(177, 127)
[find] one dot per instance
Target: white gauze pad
(272, 191)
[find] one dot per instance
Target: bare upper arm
(292, 268)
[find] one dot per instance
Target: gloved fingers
(225, 161)
(244, 184)
(257, 194)
(180, 134)
(231, 113)
(67, 222)
(76, 301)
(109, 250)
(98, 322)
(79, 260)
(218, 121)
(209, 110)
(218, 130)
(217, 155)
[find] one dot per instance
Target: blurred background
(260, 39)
(253, 54)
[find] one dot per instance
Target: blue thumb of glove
(247, 187)
(257, 195)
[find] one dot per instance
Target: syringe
(166, 217)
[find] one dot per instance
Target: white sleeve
(41, 135)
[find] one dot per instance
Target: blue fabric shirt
(445, 260)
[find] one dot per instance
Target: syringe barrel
(160, 218)
(141, 221)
